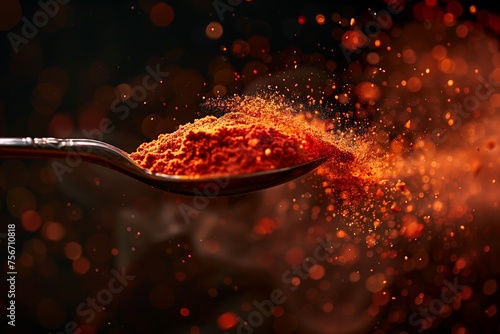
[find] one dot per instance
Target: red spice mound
(236, 143)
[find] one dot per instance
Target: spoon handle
(28, 147)
(72, 150)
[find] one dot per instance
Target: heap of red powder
(244, 141)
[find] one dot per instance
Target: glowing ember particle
(184, 312)
(301, 20)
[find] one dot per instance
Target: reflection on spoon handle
(28, 147)
(73, 151)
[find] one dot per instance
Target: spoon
(100, 153)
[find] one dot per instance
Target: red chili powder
(239, 142)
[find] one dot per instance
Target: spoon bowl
(75, 151)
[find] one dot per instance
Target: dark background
(100, 44)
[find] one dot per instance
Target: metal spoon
(100, 153)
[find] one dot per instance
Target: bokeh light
(240, 48)
(46, 98)
(214, 30)
(53, 231)
(61, 125)
(73, 250)
(161, 14)
(227, 321)
(31, 220)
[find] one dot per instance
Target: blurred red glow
(161, 14)
(61, 125)
(53, 231)
(240, 48)
(227, 320)
(294, 256)
(353, 39)
(455, 8)
(31, 220)
(214, 30)
(259, 46)
(81, 265)
(73, 250)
